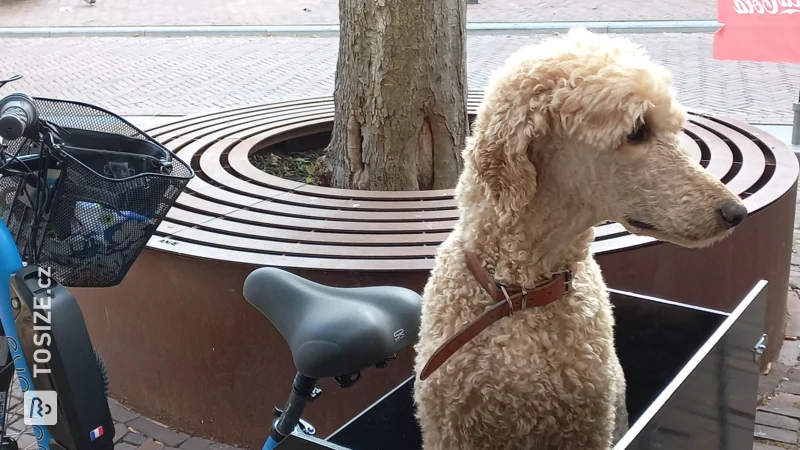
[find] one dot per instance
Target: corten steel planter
(692, 389)
(182, 344)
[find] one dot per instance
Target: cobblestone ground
(59, 13)
(778, 416)
(151, 76)
(131, 430)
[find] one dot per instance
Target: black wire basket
(85, 205)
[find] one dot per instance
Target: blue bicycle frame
(270, 444)
(303, 391)
(83, 404)
(10, 262)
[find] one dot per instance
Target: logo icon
(96, 433)
(40, 407)
(399, 334)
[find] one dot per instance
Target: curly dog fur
(571, 132)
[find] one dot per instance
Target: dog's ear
(499, 152)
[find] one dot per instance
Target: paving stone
(14, 402)
(776, 421)
(26, 441)
(768, 383)
(16, 390)
(788, 411)
(167, 436)
(120, 430)
(11, 418)
(775, 434)
(124, 446)
(791, 387)
(793, 325)
(288, 12)
(764, 445)
(134, 438)
(120, 413)
(150, 445)
(794, 375)
(786, 399)
(790, 352)
(18, 426)
(217, 446)
(196, 443)
(792, 298)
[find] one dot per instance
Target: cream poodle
(571, 132)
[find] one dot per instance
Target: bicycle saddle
(335, 331)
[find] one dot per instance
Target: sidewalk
(66, 13)
(163, 76)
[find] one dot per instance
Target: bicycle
(332, 333)
(81, 193)
(47, 169)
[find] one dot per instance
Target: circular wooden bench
(181, 342)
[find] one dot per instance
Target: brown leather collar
(508, 300)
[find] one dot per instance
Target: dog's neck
(550, 233)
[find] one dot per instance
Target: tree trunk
(400, 95)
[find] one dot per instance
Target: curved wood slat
(342, 226)
(226, 122)
(227, 226)
(191, 249)
(691, 146)
(325, 250)
(722, 159)
(753, 162)
(781, 161)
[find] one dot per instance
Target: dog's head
(589, 120)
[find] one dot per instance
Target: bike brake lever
(10, 80)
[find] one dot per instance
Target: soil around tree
(300, 166)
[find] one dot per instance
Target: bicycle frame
(39, 316)
(304, 391)
(10, 263)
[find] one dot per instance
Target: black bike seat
(335, 331)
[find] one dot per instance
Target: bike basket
(88, 211)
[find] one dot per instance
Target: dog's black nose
(732, 212)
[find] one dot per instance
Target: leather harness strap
(508, 299)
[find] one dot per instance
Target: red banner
(758, 30)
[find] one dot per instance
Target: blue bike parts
(61, 357)
(18, 117)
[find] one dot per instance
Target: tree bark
(400, 95)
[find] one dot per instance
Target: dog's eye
(639, 134)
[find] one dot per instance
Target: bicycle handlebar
(18, 116)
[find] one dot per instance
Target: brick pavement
(778, 415)
(149, 76)
(131, 430)
(55, 13)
